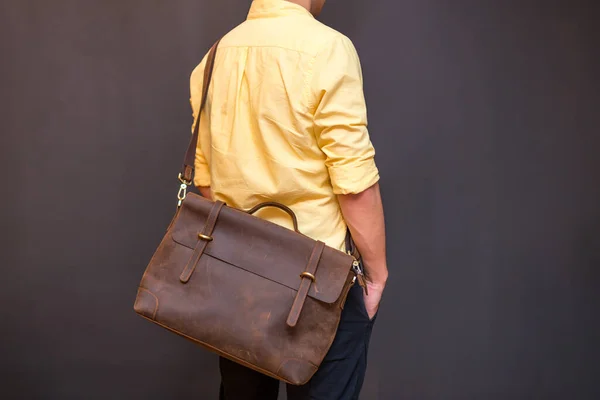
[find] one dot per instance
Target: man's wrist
(376, 272)
(377, 281)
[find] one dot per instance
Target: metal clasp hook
(182, 190)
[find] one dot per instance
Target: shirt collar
(275, 8)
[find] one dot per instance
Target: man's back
(285, 120)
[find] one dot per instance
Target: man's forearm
(363, 213)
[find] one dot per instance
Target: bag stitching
(155, 299)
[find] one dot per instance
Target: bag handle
(187, 171)
(281, 207)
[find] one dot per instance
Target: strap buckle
(308, 275)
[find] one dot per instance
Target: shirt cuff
(354, 178)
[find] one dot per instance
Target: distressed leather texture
(241, 292)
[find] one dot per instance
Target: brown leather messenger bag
(254, 292)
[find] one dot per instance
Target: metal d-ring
(187, 183)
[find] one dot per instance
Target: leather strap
(203, 241)
(187, 171)
(307, 280)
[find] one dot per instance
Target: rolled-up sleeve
(201, 168)
(340, 118)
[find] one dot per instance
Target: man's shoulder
(324, 36)
(326, 31)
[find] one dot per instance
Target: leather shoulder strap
(187, 171)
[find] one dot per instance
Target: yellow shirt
(285, 120)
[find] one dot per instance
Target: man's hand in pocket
(373, 299)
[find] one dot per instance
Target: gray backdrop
(485, 118)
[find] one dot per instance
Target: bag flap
(262, 248)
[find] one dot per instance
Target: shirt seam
(311, 106)
(308, 86)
